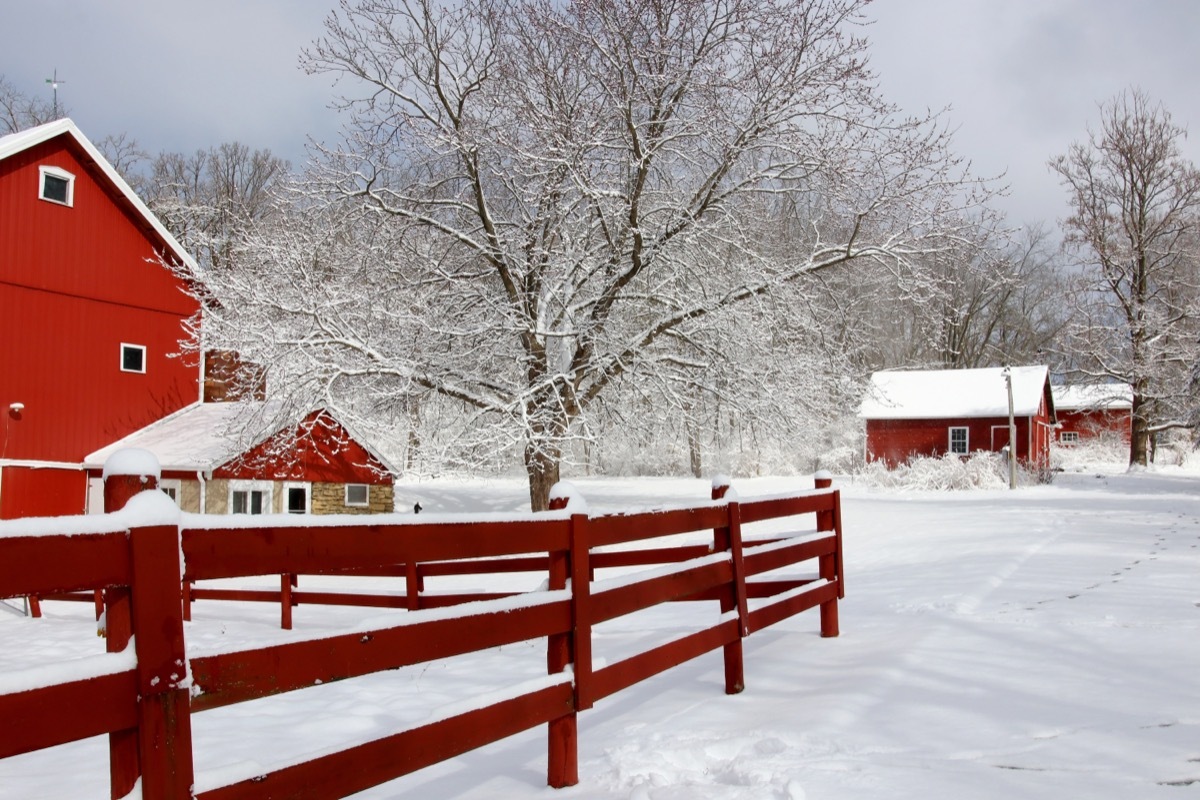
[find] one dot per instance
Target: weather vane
(54, 82)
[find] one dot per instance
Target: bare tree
(19, 111)
(1133, 231)
(208, 198)
(588, 185)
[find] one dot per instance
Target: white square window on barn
(247, 501)
(56, 185)
(358, 495)
(133, 358)
(1069, 437)
(958, 441)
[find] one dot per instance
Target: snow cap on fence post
(722, 488)
(564, 495)
(823, 479)
(128, 471)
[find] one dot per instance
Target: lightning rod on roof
(54, 82)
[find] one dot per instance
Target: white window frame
(252, 486)
(966, 440)
(131, 346)
(168, 485)
(61, 174)
(366, 503)
(1068, 437)
(287, 489)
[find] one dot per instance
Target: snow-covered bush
(980, 470)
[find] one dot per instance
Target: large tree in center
(587, 187)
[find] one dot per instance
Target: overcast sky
(1022, 78)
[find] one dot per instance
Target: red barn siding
(1090, 424)
(41, 492)
(328, 455)
(75, 282)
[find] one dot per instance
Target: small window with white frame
(133, 357)
(1069, 437)
(959, 441)
(56, 186)
(296, 498)
(249, 497)
(358, 495)
(170, 487)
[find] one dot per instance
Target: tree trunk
(1139, 437)
(543, 471)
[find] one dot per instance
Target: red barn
(1094, 411)
(935, 412)
(90, 319)
(214, 461)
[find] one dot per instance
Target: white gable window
(958, 441)
(56, 185)
(358, 495)
(133, 357)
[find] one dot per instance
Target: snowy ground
(1043, 643)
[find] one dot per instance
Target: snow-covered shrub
(980, 470)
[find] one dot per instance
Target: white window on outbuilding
(959, 442)
(249, 497)
(1068, 437)
(133, 357)
(296, 498)
(171, 488)
(358, 495)
(56, 185)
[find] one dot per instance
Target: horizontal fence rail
(596, 568)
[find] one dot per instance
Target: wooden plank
(623, 674)
(649, 556)
(617, 528)
(759, 561)
(348, 771)
(768, 615)
(619, 601)
(775, 507)
(57, 564)
(67, 712)
(235, 552)
(236, 677)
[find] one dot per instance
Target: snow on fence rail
(143, 694)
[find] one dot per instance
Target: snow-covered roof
(938, 394)
(202, 437)
(20, 141)
(1075, 397)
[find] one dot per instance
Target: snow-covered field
(1043, 643)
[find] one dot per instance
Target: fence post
(729, 538)
(164, 732)
(126, 473)
(830, 565)
(285, 601)
(412, 586)
(563, 736)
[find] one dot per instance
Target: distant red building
(90, 319)
(935, 412)
(1087, 412)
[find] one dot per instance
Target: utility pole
(1012, 432)
(54, 82)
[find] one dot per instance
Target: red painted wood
(760, 562)
(617, 528)
(76, 282)
(53, 564)
(623, 600)
(246, 675)
(769, 614)
(581, 612)
(349, 771)
(215, 553)
(635, 669)
(67, 712)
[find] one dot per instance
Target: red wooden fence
(144, 703)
